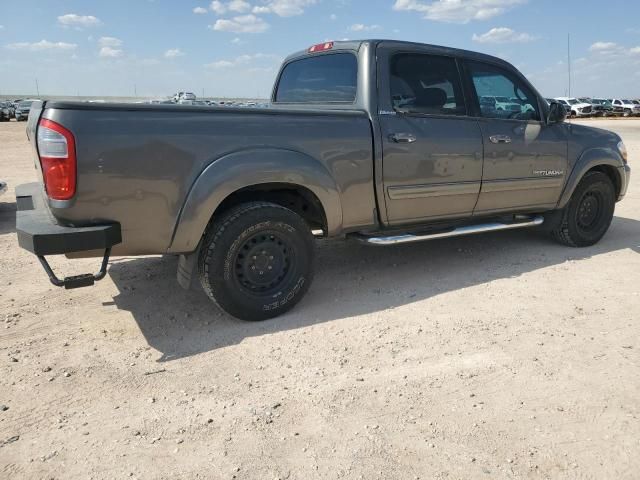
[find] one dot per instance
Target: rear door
(525, 160)
(432, 150)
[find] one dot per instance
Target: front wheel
(588, 215)
(256, 262)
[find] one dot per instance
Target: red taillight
(57, 151)
(321, 47)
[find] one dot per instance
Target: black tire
(257, 260)
(587, 217)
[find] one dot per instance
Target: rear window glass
(322, 79)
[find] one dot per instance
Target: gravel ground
(498, 356)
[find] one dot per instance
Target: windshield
(626, 101)
(573, 101)
(24, 104)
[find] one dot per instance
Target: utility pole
(37, 87)
(569, 60)
(135, 90)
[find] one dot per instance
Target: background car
(627, 106)
(578, 109)
(564, 103)
(5, 111)
(22, 111)
(602, 107)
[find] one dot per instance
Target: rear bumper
(39, 233)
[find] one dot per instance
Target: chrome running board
(454, 232)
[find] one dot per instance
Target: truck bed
(138, 164)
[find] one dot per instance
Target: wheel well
(610, 172)
(294, 197)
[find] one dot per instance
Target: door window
(502, 95)
(426, 84)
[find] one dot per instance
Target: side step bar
(454, 232)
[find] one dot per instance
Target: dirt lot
(495, 356)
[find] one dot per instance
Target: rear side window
(323, 79)
(426, 84)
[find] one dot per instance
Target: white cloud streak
(78, 21)
(457, 11)
(241, 24)
(42, 45)
(503, 35)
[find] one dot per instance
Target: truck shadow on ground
(351, 280)
(7, 217)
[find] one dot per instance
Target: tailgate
(32, 126)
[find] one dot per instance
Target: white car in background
(578, 108)
(184, 96)
(628, 107)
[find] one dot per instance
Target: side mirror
(557, 113)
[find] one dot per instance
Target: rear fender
(589, 159)
(247, 168)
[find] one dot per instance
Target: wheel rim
(263, 263)
(590, 210)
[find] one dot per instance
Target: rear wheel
(257, 260)
(587, 217)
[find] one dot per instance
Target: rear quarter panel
(137, 165)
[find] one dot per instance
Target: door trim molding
(511, 184)
(407, 192)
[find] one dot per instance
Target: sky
(232, 48)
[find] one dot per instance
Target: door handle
(402, 137)
(500, 139)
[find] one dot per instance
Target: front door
(432, 151)
(525, 160)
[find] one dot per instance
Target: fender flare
(589, 159)
(247, 168)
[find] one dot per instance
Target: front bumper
(39, 233)
(625, 176)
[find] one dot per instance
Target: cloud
(503, 35)
(237, 6)
(109, 52)
(42, 45)
(244, 60)
(457, 11)
(78, 21)
(284, 8)
(242, 24)
(360, 27)
(333, 17)
(110, 42)
(635, 51)
(173, 53)
(199, 10)
(220, 64)
(603, 47)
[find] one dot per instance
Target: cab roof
(355, 45)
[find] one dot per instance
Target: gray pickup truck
(384, 142)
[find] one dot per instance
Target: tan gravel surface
(496, 357)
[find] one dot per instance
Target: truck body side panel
(137, 164)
